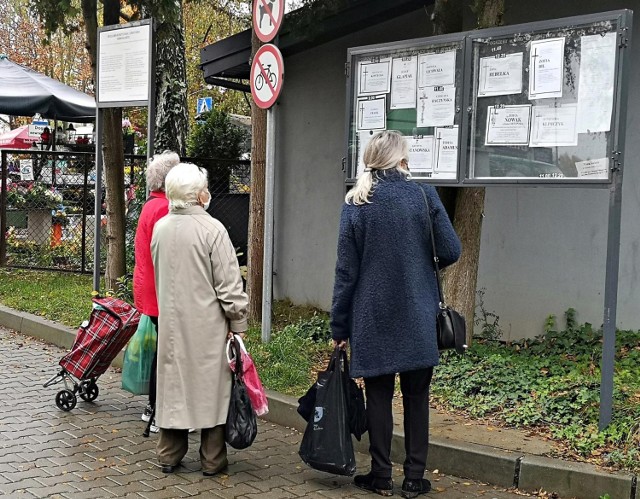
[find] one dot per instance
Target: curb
(478, 462)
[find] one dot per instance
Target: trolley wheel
(89, 391)
(66, 400)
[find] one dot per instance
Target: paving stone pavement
(97, 449)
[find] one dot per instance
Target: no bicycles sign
(267, 76)
(267, 18)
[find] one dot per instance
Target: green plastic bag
(136, 369)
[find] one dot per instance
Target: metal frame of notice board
(497, 141)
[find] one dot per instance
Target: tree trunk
(256, 206)
(172, 117)
(465, 205)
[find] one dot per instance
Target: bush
(216, 137)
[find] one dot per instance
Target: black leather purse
(451, 330)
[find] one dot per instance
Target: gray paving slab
(97, 450)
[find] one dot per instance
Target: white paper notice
(372, 113)
(404, 73)
(593, 168)
(554, 126)
(374, 77)
(363, 140)
(595, 86)
(500, 75)
(26, 169)
(436, 106)
(421, 154)
(446, 150)
(546, 68)
(437, 69)
(508, 125)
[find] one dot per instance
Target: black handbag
(451, 330)
(241, 427)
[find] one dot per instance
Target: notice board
(532, 103)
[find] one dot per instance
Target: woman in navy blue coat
(385, 302)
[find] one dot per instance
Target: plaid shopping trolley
(110, 326)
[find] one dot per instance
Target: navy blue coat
(385, 296)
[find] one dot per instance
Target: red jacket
(144, 286)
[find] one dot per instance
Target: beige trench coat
(200, 299)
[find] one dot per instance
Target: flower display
(59, 215)
(127, 127)
(32, 195)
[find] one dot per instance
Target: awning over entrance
(226, 63)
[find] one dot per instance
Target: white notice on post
(595, 85)
(124, 65)
(26, 169)
(436, 106)
(554, 126)
(372, 113)
(546, 68)
(374, 77)
(508, 125)
(446, 151)
(593, 168)
(500, 75)
(437, 69)
(404, 73)
(363, 140)
(421, 154)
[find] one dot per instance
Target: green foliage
(216, 137)
(490, 329)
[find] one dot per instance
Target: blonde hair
(183, 184)
(158, 168)
(385, 150)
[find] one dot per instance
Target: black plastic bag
(355, 408)
(326, 444)
(241, 427)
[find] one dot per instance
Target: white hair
(184, 183)
(386, 150)
(158, 168)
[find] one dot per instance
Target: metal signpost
(266, 80)
(125, 78)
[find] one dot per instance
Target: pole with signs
(266, 80)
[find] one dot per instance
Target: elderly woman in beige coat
(201, 302)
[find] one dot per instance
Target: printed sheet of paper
(554, 126)
(508, 125)
(446, 151)
(363, 140)
(372, 113)
(26, 169)
(404, 75)
(546, 68)
(593, 168)
(437, 69)
(595, 85)
(436, 106)
(374, 77)
(500, 75)
(421, 154)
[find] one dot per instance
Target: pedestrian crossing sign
(204, 105)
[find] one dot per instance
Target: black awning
(229, 58)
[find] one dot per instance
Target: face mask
(206, 205)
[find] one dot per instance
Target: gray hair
(386, 150)
(158, 168)
(183, 184)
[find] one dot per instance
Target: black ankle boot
(414, 488)
(381, 486)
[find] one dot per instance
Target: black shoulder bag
(451, 329)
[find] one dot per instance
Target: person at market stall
(202, 303)
(144, 287)
(385, 302)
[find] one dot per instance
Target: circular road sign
(267, 76)
(267, 18)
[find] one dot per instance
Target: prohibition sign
(267, 76)
(267, 18)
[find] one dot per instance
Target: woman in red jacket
(144, 289)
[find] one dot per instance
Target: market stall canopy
(25, 92)
(17, 138)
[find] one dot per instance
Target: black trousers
(415, 400)
(154, 368)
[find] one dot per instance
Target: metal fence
(47, 207)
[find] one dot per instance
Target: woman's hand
(342, 344)
(231, 333)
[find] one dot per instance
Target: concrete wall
(543, 249)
